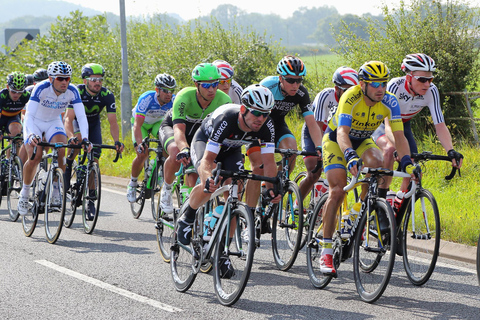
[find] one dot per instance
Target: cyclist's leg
(137, 163)
(68, 168)
(286, 140)
(310, 164)
(14, 128)
(252, 189)
(385, 141)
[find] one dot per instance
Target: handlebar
(290, 152)
(428, 155)
(106, 146)
(56, 145)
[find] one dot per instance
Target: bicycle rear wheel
(55, 204)
(91, 198)
(182, 262)
(308, 206)
(421, 238)
(287, 228)
(233, 262)
(29, 221)
(14, 186)
(165, 226)
(374, 252)
(315, 245)
(137, 206)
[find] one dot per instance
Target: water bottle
(319, 189)
(210, 221)
(42, 179)
(185, 192)
(348, 218)
(391, 198)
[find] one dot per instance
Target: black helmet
(40, 75)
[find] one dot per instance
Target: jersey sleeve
(110, 102)
(395, 117)
(434, 105)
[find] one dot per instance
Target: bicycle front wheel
(29, 221)
(14, 185)
(287, 228)
(315, 246)
(55, 203)
(233, 258)
(308, 205)
(137, 206)
(421, 238)
(374, 251)
(165, 227)
(91, 198)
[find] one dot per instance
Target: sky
(190, 9)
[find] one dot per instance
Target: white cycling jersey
(325, 105)
(46, 107)
(235, 92)
(411, 105)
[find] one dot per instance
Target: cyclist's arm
(114, 131)
(444, 136)
(137, 129)
(207, 164)
(68, 123)
(179, 135)
(314, 130)
(29, 118)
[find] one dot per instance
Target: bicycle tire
(420, 250)
(286, 238)
(137, 206)
(74, 193)
(314, 246)
(15, 182)
(54, 212)
(373, 262)
(229, 287)
(29, 221)
(182, 262)
(91, 196)
(308, 206)
(165, 226)
(155, 192)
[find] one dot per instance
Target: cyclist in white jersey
(415, 91)
(48, 101)
(324, 107)
(226, 83)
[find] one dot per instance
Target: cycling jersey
(95, 104)
(45, 106)
(411, 105)
(149, 108)
(186, 109)
(235, 92)
(10, 108)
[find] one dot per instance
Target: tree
(447, 32)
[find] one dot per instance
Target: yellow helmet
(373, 71)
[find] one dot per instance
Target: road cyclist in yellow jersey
(361, 110)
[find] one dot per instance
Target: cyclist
(12, 101)
(191, 106)
(95, 98)
(415, 91)
(43, 116)
(227, 83)
(38, 76)
(288, 92)
(147, 117)
(361, 110)
(324, 107)
(220, 138)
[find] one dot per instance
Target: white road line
(115, 191)
(109, 287)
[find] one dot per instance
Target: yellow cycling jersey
(363, 120)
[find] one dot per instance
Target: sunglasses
(376, 84)
(167, 90)
(208, 85)
(16, 91)
(60, 79)
(95, 79)
(423, 79)
(292, 80)
(257, 113)
(225, 81)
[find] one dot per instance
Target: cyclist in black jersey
(288, 92)
(38, 76)
(95, 98)
(220, 138)
(12, 101)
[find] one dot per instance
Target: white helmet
(59, 68)
(226, 70)
(418, 62)
(257, 97)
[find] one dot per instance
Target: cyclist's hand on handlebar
(33, 140)
(73, 140)
(184, 156)
(140, 148)
(353, 161)
(456, 157)
(87, 145)
(119, 146)
(210, 186)
(319, 151)
(270, 196)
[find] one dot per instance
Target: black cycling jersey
(10, 108)
(95, 104)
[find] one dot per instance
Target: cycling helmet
(291, 66)
(205, 72)
(257, 97)
(92, 69)
(29, 79)
(59, 68)
(345, 76)
(418, 62)
(165, 80)
(226, 70)
(40, 75)
(16, 81)
(373, 71)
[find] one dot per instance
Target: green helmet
(91, 69)
(17, 81)
(205, 72)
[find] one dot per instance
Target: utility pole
(125, 91)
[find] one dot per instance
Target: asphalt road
(118, 273)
